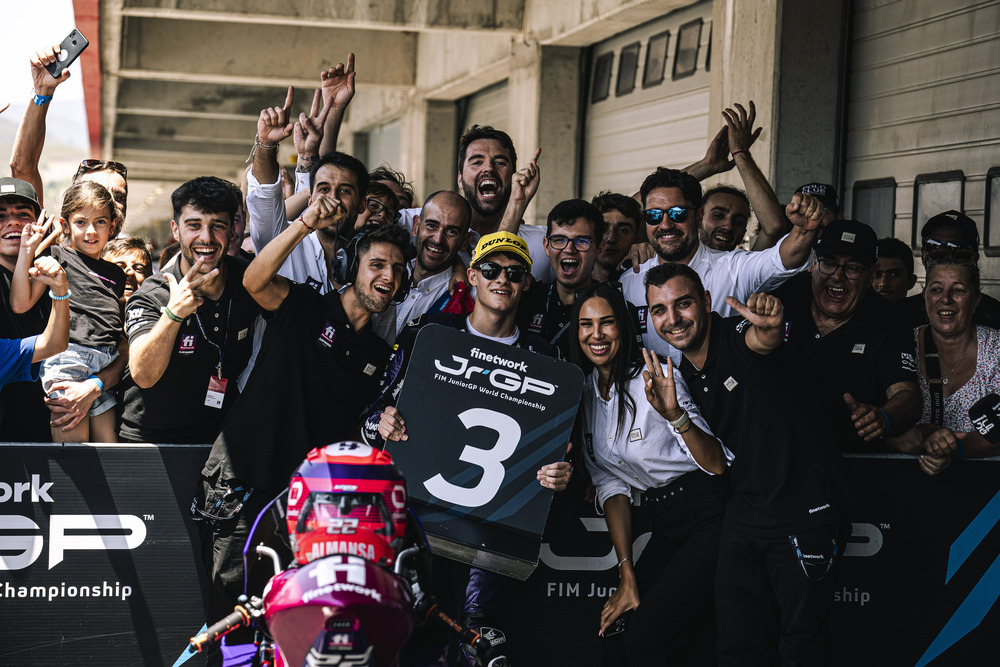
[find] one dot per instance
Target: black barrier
(918, 585)
(98, 558)
(481, 419)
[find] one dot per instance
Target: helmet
(347, 498)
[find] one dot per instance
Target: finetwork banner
(98, 560)
(481, 419)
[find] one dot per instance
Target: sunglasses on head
(934, 244)
(654, 216)
(90, 165)
(491, 271)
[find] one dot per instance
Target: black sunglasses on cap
(491, 271)
(654, 216)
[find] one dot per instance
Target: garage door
(647, 102)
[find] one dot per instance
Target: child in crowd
(132, 256)
(89, 221)
(893, 276)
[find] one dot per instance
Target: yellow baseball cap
(500, 242)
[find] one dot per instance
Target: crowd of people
(725, 375)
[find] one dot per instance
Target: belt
(686, 484)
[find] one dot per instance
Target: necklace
(944, 378)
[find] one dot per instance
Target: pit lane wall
(99, 563)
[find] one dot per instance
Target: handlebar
(241, 616)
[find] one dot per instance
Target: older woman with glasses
(959, 364)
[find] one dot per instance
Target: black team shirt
(786, 472)
(864, 356)
(173, 410)
(314, 378)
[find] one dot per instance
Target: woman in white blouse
(659, 446)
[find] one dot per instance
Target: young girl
(89, 221)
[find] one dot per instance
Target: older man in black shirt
(857, 345)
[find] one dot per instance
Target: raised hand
(44, 83)
(660, 390)
(739, 127)
(337, 83)
(805, 211)
(762, 310)
(307, 133)
(34, 233)
(47, 271)
(185, 295)
(524, 185)
(274, 124)
(868, 420)
(323, 212)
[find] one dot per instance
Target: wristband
(677, 423)
(169, 313)
(100, 385)
(623, 561)
(686, 428)
(41, 100)
(735, 153)
(55, 297)
(886, 417)
(961, 452)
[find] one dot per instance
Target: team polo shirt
(95, 310)
(315, 376)
(173, 410)
(785, 474)
(864, 356)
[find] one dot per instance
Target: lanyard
(221, 350)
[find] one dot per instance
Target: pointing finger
(289, 98)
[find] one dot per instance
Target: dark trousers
(768, 611)
(673, 623)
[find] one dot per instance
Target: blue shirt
(15, 360)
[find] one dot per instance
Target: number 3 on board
(490, 460)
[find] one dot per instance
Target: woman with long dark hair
(657, 445)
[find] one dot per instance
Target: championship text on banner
(482, 418)
(98, 555)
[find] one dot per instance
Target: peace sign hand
(185, 296)
(660, 390)
(33, 233)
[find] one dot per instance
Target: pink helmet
(347, 498)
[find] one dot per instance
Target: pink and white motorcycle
(354, 592)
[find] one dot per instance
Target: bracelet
(257, 144)
(735, 153)
(306, 224)
(100, 385)
(55, 297)
(961, 452)
(169, 313)
(623, 561)
(41, 100)
(886, 417)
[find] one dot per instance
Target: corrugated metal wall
(924, 106)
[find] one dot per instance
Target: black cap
(12, 187)
(825, 193)
(965, 225)
(848, 237)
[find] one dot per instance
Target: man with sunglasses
(856, 343)
(112, 175)
(672, 202)
(951, 230)
(574, 231)
(500, 273)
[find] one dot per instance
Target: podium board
(482, 418)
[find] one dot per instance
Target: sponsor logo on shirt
(730, 383)
(635, 434)
(312, 282)
(588, 441)
(242, 334)
(537, 320)
(908, 361)
(859, 348)
(742, 325)
(327, 335)
(187, 343)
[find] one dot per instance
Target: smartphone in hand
(69, 51)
